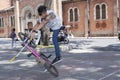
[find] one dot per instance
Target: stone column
(60, 10)
(22, 23)
(54, 6)
(86, 22)
(87, 18)
(17, 16)
(34, 20)
(7, 25)
(57, 7)
(116, 17)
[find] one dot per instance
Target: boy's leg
(12, 43)
(55, 42)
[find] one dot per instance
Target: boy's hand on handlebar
(32, 35)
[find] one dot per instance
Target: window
(76, 14)
(103, 11)
(1, 22)
(97, 12)
(100, 11)
(73, 14)
(12, 2)
(12, 21)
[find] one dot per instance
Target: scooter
(62, 37)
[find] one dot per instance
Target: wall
(106, 27)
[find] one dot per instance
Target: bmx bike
(29, 44)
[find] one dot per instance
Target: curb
(63, 48)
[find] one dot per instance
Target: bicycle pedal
(49, 56)
(29, 55)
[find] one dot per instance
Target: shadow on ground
(113, 47)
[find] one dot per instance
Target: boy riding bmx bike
(51, 20)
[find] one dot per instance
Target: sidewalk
(93, 59)
(113, 37)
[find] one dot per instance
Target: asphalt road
(90, 59)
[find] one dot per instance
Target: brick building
(100, 17)
(6, 17)
(22, 14)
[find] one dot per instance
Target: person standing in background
(13, 37)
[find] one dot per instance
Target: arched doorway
(27, 20)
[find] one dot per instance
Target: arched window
(0, 22)
(12, 21)
(103, 11)
(100, 11)
(71, 15)
(97, 9)
(76, 14)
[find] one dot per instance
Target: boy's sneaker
(56, 60)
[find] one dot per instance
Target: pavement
(85, 59)
(5, 43)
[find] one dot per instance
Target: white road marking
(109, 75)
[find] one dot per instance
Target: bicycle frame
(37, 55)
(33, 51)
(26, 43)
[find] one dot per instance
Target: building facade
(97, 17)
(22, 14)
(7, 18)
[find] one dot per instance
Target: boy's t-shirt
(55, 23)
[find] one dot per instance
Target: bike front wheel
(23, 36)
(52, 69)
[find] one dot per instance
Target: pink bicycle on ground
(29, 44)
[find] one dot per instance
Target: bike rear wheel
(52, 69)
(48, 66)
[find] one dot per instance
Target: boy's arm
(51, 16)
(48, 18)
(37, 27)
(40, 25)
